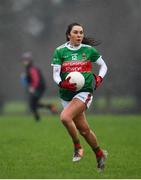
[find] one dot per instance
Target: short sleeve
(94, 54)
(56, 59)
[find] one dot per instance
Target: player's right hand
(67, 85)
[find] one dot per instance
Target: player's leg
(74, 108)
(84, 129)
(33, 103)
(51, 107)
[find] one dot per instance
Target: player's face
(76, 35)
(25, 62)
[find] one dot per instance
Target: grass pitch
(44, 150)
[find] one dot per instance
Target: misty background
(39, 26)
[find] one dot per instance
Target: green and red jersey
(79, 60)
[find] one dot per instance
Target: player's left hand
(98, 80)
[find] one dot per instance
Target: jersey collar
(71, 47)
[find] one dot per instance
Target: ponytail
(90, 41)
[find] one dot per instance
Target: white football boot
(78, 154)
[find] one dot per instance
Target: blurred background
(39, 26)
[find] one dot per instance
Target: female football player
(78, 54)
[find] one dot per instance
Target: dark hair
(86, 40)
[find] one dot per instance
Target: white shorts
(85, 97)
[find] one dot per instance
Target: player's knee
(84, 132)
(64, 118)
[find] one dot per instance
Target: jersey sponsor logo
(71, 66)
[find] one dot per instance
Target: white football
(78, 78)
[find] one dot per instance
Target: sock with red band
(77, 145)
(98, 152)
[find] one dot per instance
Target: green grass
(43, 150)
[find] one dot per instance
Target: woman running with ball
(78, 54)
